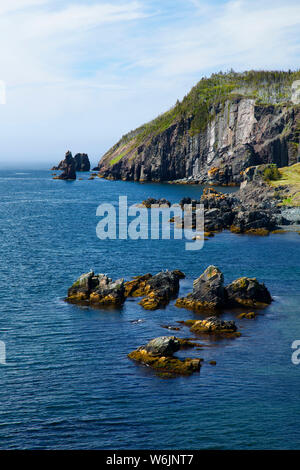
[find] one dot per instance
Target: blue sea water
(68, 383)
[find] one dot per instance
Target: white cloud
(81, 73)
(8, 6)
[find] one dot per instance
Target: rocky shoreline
(255, 209)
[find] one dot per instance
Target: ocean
(67, 382)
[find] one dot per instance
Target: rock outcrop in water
(214, 326)
(80, 162)
(209, 293)
(97, 290)
(157, 291)
(69, 168)
(226, 124)
(158, 354)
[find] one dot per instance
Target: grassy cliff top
(290, 178)
(266, 87)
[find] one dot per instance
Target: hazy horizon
(80, 74)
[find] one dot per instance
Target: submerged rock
(97, 290)
(158, 354)
(213, 325)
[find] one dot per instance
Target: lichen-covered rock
(247, 315)
(213, 325)
(97, 290)
(157, 290)
(248, 292)
(208, 292)
(158, 354)
(136, 287)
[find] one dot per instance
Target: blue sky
(81, 73)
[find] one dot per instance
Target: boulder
(163, 346)
(208, 292)
(148, 203)
(248, 292)
(158, 354)
(213, 325)
(158, 290)
(97, 290)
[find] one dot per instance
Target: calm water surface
(68, 383)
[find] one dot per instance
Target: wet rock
(247, 315)
(157, 290)
(248, 292)
(151, 202)
(158, 354)
(162, 346)
(213, 325)
(97, 290)
(208, 292)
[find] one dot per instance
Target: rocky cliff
(227, 123)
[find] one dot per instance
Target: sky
(81, 73)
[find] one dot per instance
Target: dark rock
(157, 290)
(241, 133)
(208, 292)
(69, 168)
(162, 346)
(148, 203)
(248, 292)
(82, 162)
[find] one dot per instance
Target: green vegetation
(208, 98)
(117, 158)
(271, 173)
(290, 178)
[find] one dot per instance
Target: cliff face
(213, 142)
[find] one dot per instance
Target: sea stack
(69, 168)
(82, 162)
